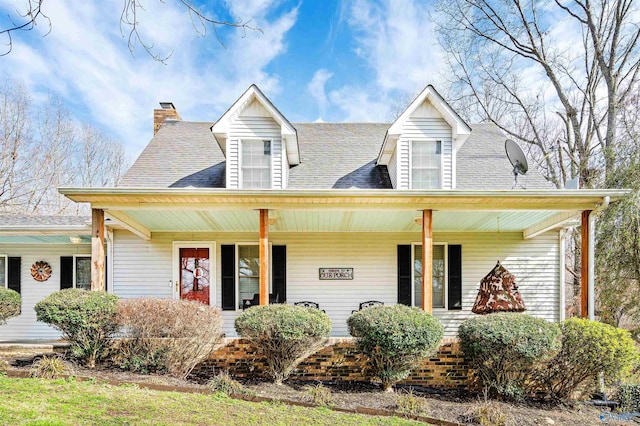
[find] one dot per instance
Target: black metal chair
(308, 304)
(248, 303)
(368, 304)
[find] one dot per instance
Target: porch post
(427, 260)
(97, 250)
(264, 257)
(585, 268)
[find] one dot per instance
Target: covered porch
(355, 232)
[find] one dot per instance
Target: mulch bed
(449, 406)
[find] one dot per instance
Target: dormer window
(426, 165)
(256, 164)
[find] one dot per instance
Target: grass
(67, 402)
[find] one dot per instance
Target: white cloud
(317, 88)
(396, 40)
(85, 62)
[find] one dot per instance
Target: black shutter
(404, 274)
(455, 277)
(279, 265)
(66, 272)
(106, 273)
(228, 255)
(13, 278)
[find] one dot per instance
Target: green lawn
(60, 402)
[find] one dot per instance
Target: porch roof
(147, 210)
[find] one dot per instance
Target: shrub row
(514, 355)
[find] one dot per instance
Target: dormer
(420, 147)
(259, 143)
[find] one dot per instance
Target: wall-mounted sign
(336, 273)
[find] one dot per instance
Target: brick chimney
(167, 111)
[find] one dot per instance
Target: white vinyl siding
(25, 326)
(254, 128)
(417, 129)
(143, 269)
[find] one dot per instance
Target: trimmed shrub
(10, 304)
(166, 335)
(502, 348)
(284, 334)
(87, 319)
(395, 339)
(588, 349)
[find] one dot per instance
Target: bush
(283, 334)
(49, 368)
(588, 349)
(395, 339)
(502, 348)
(10, 304)
(85, 318)
(629, 398)
(165, 334)
(411, 404)
(319, 395)
(226, 384)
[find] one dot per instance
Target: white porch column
(427, 261)
(592, 268)
(97, 250)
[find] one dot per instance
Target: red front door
(194, 274)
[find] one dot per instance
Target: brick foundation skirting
(338, 360)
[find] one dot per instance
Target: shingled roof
(333, 155)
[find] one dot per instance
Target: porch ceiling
(335, 221)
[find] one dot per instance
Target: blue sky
(338, 60)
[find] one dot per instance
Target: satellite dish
(517, 158)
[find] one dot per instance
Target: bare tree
(33, 13)
(44, 148)
(511, 65)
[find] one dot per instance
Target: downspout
(591, 260)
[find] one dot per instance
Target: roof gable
(254, 101)
(460, 130)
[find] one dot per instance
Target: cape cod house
(256, 209)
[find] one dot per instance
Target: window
(3, 271)
(439, 276)
(82, 272)
(256, 164)
(248, 272)
(426, 164)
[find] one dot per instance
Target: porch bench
(308, 304)
(368, 304)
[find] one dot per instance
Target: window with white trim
(3, 271)
(82, 272)
(426, 164)
(439, 274)
(248, 272)
(255, 164)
